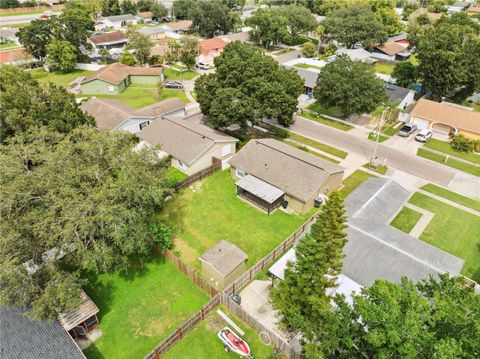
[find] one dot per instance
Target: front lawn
(384, 68)
(58, 78)
(319, 108)
(373, 137)
(171, 74)
(382, 169)
(451, 162)
(140, 96)
(406, 219)
(353, 181)
(318, 145)
(307, 66)
(452, 196)
(140, 307)
(325, 121)
(211, 211)
(453, 230)
(446, 148)
(203, 343)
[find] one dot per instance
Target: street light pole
(379, 126)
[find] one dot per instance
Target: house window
(144, 124)
(226, 150)
(239, 172)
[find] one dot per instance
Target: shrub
(460, 143)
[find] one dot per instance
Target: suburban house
(271, 174)
(112, 114)
(473, 10)
(446, 118)
(243, 37)
(400, 39)
(391, 51)
(375, 250)
(354, 54)
(209, 49)
(192, 145)
(154, 33)
(115, 22)
(404, 97)
(177, 28)
(115, 78)
(108, 40)
(26, 338)
(146, 16)
(223, 264)
(9, 35)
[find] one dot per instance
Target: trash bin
(236, 298)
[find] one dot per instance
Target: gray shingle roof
(309, 77)
(294, 171)
(224, 257)
(108, 113)
(25, 338)
(395, 92)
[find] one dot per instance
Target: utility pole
(378, 128)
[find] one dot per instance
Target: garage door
(421, 124)
(441, 129)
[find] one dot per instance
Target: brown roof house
(177, 28)
(146, 16)
(115, 78)
(223, 264)
(446, 118)
(108, 40)
(192, 145)
(391, 51)
(112, 114)
(273, 174)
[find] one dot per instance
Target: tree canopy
(352, 86)
(448, 52)
(354, 24)
(435, 318)
(158, 9)
(27, 105)
(211, 18)
(62, 55)
(248, 85)
(85, 196)
(141, 43)
(405, 73)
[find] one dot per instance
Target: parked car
(423, 135)
(173, 85)
(202, 66)
(407, 130)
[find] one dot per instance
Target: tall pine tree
(302, 296)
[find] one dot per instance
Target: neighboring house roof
(395, 92)
(294, 171)
(110, 114)
(400, 37)
(145, 14)
(158, 50)
(391, 48)
(447, 114)
(463, 4)
(117, 18)
(21, 337)
(8, 33)
(216, 43)
(108, 38)
(225, 257)
(184, 140)
(117, 72)
(180, 25)
(355, 54)
(12, 55)
(473, 10)
(309, 77)
(239, 36)
(151, 30)
(74, 317)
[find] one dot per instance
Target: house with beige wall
(271, 174)
(446, 118)
(192, 145)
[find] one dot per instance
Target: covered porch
(81, 321)
(260, 193)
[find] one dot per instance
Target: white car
(202, 66)
(423, 135)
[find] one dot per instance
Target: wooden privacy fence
(224, 298)
(216, 166)
(190, 273)
(266, 335)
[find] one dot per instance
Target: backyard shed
(80, 321)
(223, 263)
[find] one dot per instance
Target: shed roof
(108, 38)
(293, 171)
(448, 114)
(74, 317)
(117, 72)
(179, 25)
(391, 48)
(185, 140)
(260, 188)
(21, 337)
(225, 257)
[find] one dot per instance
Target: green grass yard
(171, 74)
(9, 46)
(452, 196)
(202, 217)
(57, 78)
(384, 68)
(140, 308)
(318, 145)
(446, 148)
(373, 137)
(203, 343)
(174, 176)
(382, 169)
(307, 66)
(353, 181)
(325, 121)
(319, 108)
(452, 162)
(453, 230)
(406, 219)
